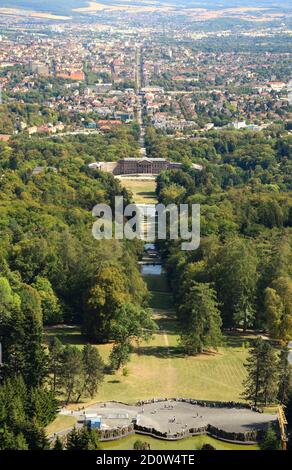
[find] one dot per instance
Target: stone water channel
(151, 262)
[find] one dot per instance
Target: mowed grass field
(143, 190)
(60, 423)
(159, 369)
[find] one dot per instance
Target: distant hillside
(225, 3)
(55, 6)
(66, 6)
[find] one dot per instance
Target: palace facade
(138, 166)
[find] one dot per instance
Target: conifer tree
(93, 367)
(58, 444)
(261, 385)
(200, 319)
(82, 439)
(55, 362)
(285, 376)
(270, 440)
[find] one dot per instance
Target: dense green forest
(52, 270)
(243, 264)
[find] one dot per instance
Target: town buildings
(88, 72)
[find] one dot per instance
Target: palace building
(138, 166)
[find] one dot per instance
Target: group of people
(213, 404)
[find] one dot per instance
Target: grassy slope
(143, 190)
(217, 377)
(60, 423)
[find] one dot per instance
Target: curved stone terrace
(176, 419)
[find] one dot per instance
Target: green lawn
(191, 443)
(143, 190)
(60, 423)
(159, 369)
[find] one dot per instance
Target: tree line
(241, 273)
(52, 271)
